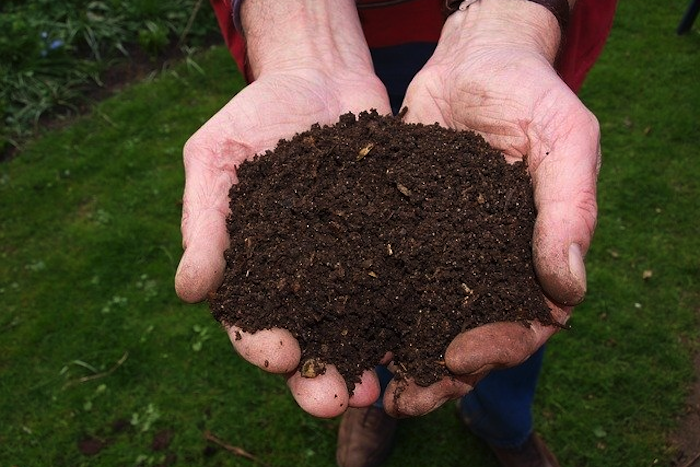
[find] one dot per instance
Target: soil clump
(374, 236)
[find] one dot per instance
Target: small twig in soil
(692, 461)
(85, 379)
(507, 200)
(232, 449)
(364, 151)
(403, 189)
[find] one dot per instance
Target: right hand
(311, 65)
(277, 105)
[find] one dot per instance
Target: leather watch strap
(559, 8)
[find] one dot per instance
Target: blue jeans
(499, 409)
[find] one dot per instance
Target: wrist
(561, 9)
(304, 34)
(515, 24)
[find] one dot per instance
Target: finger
(204, 211)
(498, 345)
(407, 399)
(273, 350)
(564, 180)
(202, 265)
(367, 391)
(323, 396)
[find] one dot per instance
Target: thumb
(202, 265)
(204, 234)
(564, 181)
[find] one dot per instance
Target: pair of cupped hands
(508, 93)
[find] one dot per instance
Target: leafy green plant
(154, 38)
(96, 31)
(21, 38)
(52, 52)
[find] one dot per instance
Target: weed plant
(52, 52)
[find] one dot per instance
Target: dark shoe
(365, 437)
(534, 453)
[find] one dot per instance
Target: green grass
(92, 336)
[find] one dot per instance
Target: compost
(374, 235)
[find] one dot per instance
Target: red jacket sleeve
(421, 21)
(591, 21)
(234, 41)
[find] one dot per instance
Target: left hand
(492, 73)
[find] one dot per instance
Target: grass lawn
(97, 354)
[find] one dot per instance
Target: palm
(274, 107)
(518, 103)
(515, 100)
(279, 105)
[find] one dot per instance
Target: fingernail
(576, 266)
(483, 370)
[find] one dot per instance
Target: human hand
(311, 65)
(492, 73)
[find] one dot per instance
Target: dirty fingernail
(576, 267)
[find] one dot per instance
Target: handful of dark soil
(374, 235)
